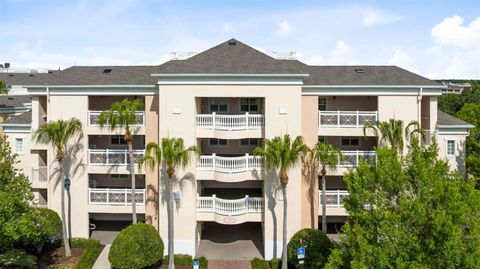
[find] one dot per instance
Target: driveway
(231, 242)
(106, 231)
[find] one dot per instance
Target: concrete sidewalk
(102, 260)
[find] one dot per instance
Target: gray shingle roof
(23, 78)
(24, 118)
(10, 101)
(446, 119)
(371, 75)
(229, 57)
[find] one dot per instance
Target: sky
(435, 38)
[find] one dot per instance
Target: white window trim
(350, 138)
(253, 112)
(16, 145)
(326, 103)
(210, 100)
(455, 147)
(218, 145)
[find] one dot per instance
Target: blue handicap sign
(196, 264)
(301, 252)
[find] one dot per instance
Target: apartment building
(225, 100)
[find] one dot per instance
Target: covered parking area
(105, 227)
(231, 242)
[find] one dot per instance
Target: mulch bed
(53, 257)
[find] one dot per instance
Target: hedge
(137, 246)
(317, 248)
(184, 259)
(92, 249)
(258, 263)
(17, 258)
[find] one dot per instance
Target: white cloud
(375, 17)
(452, 32)
(284, 28)
(341, 54)
(400, 58)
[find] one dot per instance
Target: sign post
(196, 264)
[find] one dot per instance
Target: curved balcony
(229, 169)
(229, 211)
(230, 126)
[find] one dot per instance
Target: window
(119, 176)
(250, 142)
(19, 145)
(117, 140)
(350, 141)
(249, 105)
(322, 104)
(218, 142)
(218, 105)
(451, 148)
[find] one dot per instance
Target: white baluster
(108, 158)
(214, 199)
(357, 120)
(213, 120)
(108, 196)
(338, 118)
(247, 160)
(246, 120)
(214, 160)
(356, 158)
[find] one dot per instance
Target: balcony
(39, 177)
(230, 126)
(353, 158)
(345, 122)
(94, 128)
(229, 169)
(334, 202)
(104, 160)
(106, 200)
(229, 211)
(94, 114)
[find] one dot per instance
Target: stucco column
(151, 175)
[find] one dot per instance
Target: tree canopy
(409, 212)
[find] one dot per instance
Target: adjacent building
(225, 100)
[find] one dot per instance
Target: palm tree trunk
(284, 237)
(324, 205)
(132, 176)
(66, 242)
(171, 254)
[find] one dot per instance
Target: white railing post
(319, 117)
(108, 196)
(247, 159)
(214, 157)
(358, 121)
(246, 120)
(356, 158)
(247, 209)
(213, 120)
(214, 198)
(125, 154)
(107, 157)
(125, 194)
(89, 195)
(338, 118)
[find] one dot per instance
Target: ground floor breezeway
(105, 227)
(231, 242)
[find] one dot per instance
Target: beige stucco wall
(456, 162)
(183, 125)
(151, 174)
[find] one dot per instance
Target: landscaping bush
(17, 258)
(258, 263)
(91, 248)
(180, 259)
(275, 263)
(137, 246)
(203, 262)
(317, 248)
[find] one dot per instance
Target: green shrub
(317, 248)
(91, 251)
(275, 263)
(203, 262)
(137, 246)
(17, 258)
(258, 263)
(180, 259)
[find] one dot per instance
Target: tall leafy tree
(327, 157)
(392, 132)
(470, 112)
(57, 134)
(171, 154)
(282, 153)
(409, 212)
(123, 115)
(3, 87)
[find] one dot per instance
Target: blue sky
(438, 39)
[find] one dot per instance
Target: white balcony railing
(230, 164)
(333, 198)
(94, 114)
(115, 197)
(353, 158)
(346, 119)
(230, 122)
(112, 156)
(39, 174)
(230, 207)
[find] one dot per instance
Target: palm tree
(327, 156)
(281, 153)
(171, 154)
(58, 133)
(123, 114)
(391, 132)
(3, 87)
